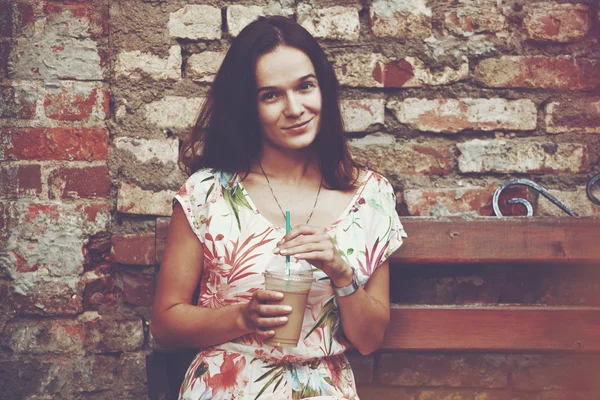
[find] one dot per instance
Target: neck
(289, 167)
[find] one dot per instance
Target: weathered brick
(475, 18)
(456, 115)
(104, 334)
(6, 19)
(204, 66)
(360, 114)
(400, 18)
(569, 394)
(174, 112)
(146, 150)
(16, 104)
(52, 296)
(534, 372)
(539, 72)
(376, 70)
(70, 144)
(137, 249)
(45, 336)
(133, 371)
(576, 200)
(49, 239)
(487, 371)
(463, 202)
(504, 395)
(339, 23)
(521, 156)
(138, 289)
(196, 22)
(78, 20)
(578, 115)
(21, 377)
(4, 52)
(92, 373)
(135, 200)
(386, 392)
(52, 54)
(20, 180)
(445, 394)
(552, 22)
(100, 292)
(135, 64)
(77, 101)
(78, 182)
(238, 16)
(385, 155)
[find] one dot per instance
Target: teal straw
(287, 230)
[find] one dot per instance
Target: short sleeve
(194, 199)
(384, 232)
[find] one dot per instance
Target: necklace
(279, 205)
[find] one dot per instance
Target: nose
(293, 107)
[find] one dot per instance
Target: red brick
(14, 105)
(79, 182)
(77, 102)
(539, 72)
(51, 297)
(574, 115)
(138, 289)
(136, 249)
(469, 20)
(105, 334)
(72, 144)
(19, 180)
(97, 16)
(556, 372)
(100, 294)
(554, 22)
(4, 222)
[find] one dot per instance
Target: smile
(298, 125)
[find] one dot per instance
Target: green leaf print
(328, 317)
(209, 191)
(350, 251)
(201, 370)
(275, 376)
(235, 199)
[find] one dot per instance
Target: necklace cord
(279, 205)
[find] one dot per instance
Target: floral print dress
(238, 242)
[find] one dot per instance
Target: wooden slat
(515, 239)
(494, 328)
(566, 240)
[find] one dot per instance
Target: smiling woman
(270, 137)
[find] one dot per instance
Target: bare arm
(177, 323)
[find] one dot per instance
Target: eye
(269, 96)
(307, 85)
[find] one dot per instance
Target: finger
(304, 239)
(302, 230)
(266, 323)
(267, 295)
(265, 334)
(267, 310)
(303, 248)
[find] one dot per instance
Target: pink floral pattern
(238, 242)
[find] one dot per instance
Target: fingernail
(279, 295)
(282, 241)
(272, 333)
(283, 319)
(276, 250)
(287, 308)
(283, 251)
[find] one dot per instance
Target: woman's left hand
(314, 245)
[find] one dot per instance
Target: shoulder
(374, 181)
(199, 182)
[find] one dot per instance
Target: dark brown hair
(227, 133)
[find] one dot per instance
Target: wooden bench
(521, 241)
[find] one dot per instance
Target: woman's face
(288, 97)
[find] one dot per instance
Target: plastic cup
(295, 289)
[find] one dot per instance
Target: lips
(298, 126)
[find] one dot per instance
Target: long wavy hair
(227, 133)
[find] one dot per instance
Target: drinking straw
(287, 230)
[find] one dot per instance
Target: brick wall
(447, 98)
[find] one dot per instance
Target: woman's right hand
(261, 314)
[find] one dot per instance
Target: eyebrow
(302, 79)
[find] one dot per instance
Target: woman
(271, 139)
